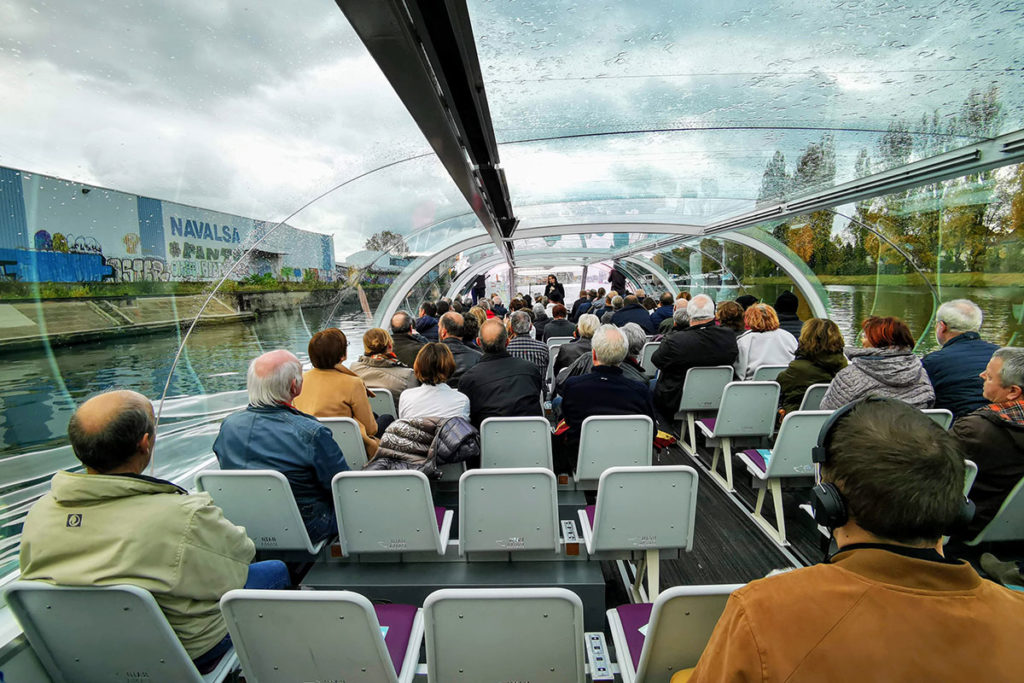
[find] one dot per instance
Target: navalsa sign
(203, 230)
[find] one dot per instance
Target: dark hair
(629, 300)
(116, 442)
(901, 475)
(888, 331)
(527, 300)
(452, 324)
(457, 306)
(601, 291)
(327, 348)
(730, 314)
(434, 364)
(649, 303)
(746, 301)
(401, 323)
(558, 311)
(429, 309)
(470, 328)
(443, 307)
(787, 303)
(666, 299)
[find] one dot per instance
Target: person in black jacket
(426, 324)
(786, 305)
(406, 344)
(633, 312)
(558, 326)
(450, 327)
(554, 287)
(500, 385)
(617, 279)
(567, 353)
(701, 344)
(955, 369)
(575, 312)
(479, 288)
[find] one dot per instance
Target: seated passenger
(113, 525)
(609, 313)
(887, 606)
(819, 356)
(786, 305)
(378, 367)
(450, 331)
(406, 343)
(885, 367)
(329, 389)
(993, 435)
(501, 385)
(470, 330)
(434, 366)
(633, 312)
(523, 345)
(701, 344)
(631, 368)
(559, 326)
(746, 300)
(763, 343)
(730, 315)
(575, 312)
(567, 353)
(664, 310)
(540, 320)
(426, 324)
(679, 320)
(271, 434)
(497, 307)
(955, 369)
(603, 391)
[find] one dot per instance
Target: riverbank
(906, 280)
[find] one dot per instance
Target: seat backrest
(612, 441)
(748, 409)
(382, 402)
(813, 395)
(767, 373)
(558, 341)
(508, 510)
(942, 417)
(970, 474)
(346, 434)
(682, 620)
(645, 358)
(515, 442)
(385, 512)
(641, 508)
(99, 634)
(306, 636)
(791, 454)
(1008, 524)
(702, 388)
(262, 502)
(504, 634)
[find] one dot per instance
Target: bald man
(450, 328)
(114, 525)
(404, 338)
(271, 434)
(500, 385)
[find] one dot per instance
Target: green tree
(388, 241)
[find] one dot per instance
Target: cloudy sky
(255, 108)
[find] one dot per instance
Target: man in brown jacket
(887, 606)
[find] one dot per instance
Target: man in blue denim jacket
(270, 434)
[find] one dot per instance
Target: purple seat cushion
(708, 422)
(439, 513)
(756, 458)
(633, 618)
(398, 619)
(591, 511)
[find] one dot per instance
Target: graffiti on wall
(147, 269)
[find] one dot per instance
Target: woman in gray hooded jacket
(885, 367)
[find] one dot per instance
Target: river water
(38, 391)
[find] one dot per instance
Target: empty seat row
(533, 634)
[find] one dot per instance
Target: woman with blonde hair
(819, 356)
(379, 367)
(434, 365)
(330, 389)
(764, 343)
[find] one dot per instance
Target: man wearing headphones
(887, 605)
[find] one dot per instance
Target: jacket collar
(963, 336)
(494, 355)
(278, 408)
(607, 370)
(701, 326)
(885, 566)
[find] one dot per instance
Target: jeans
(266, 575)
(319, 519)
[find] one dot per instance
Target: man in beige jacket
(114, 525)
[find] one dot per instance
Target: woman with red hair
(885, 367)
(763, 342)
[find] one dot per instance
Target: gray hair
(610, 345)
(401, 323)
(680, 303)
(701, 307)
(636, 337)
(680, 316)
(520, 323)
(962, 315)
(617, 302)
(274, 386)
(587, 325)
(1012, 372)
(538, 309)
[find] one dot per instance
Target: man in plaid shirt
(523, 345)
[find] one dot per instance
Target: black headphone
(828, 503)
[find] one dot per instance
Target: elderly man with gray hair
(270, 434)
(993, 436)
(955, 369)
(567, 353)
(700, 344)
(522, 344)
(603, 391)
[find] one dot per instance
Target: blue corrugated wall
(13, 226)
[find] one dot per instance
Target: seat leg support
(641, 568)
(723, 451)
(777, 532)
(653, 562)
